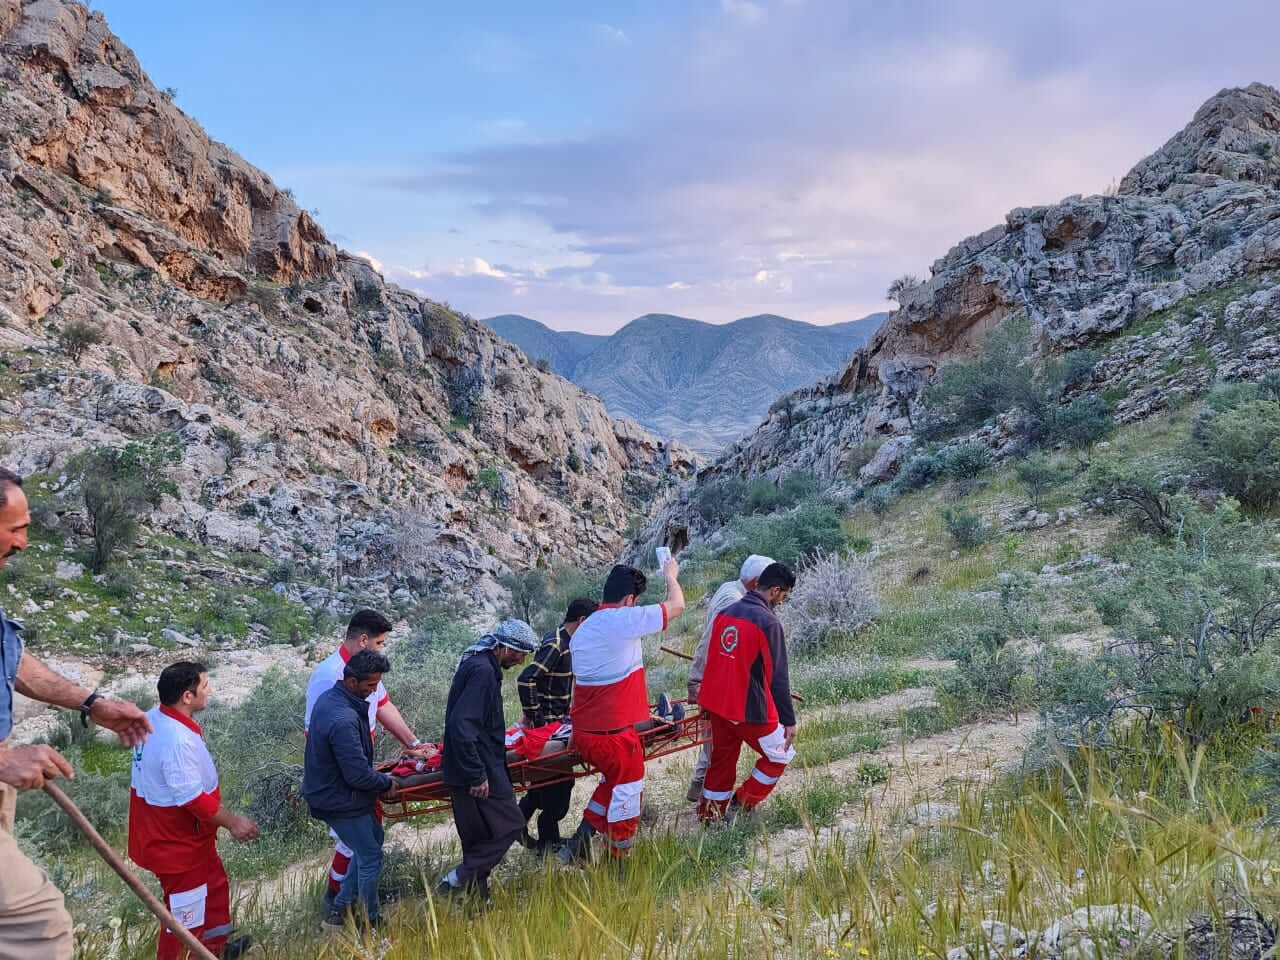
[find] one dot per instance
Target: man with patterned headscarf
(485, 813)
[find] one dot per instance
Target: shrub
(78, 336)
(1269, 386)
(116, 485)
(1000, 379)
(1196, 616)
(542, 364)
(920, 471)
(991, 675)
(574, 461)
(834, 596)
(880, 499)
(967, 529)
(1238, 448)
(966, 461)
(1075, 369)
(792, 536)
(900, 286)
(1039, 475)
(231, 440)
(1080, 423)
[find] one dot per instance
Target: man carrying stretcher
(610, 696)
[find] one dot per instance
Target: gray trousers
(487, 827)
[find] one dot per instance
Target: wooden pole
(198, 949)
(684, 656)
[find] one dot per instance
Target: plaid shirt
(546, 684)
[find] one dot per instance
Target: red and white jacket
(328, 672)
(609, 688)
(173, 796)
(746, 678)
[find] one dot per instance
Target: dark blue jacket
(338, 779)
(475, 747)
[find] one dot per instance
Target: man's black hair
(177, 678)
(776, 575)
(366, 662)
(623, 581)
(8, 479)
(580, 607)
(367, 621)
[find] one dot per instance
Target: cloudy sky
(584, 163)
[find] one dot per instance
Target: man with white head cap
(485, 813)
(729, 593)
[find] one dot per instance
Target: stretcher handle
(684, 656)
(167, 919)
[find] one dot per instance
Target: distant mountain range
(701, 383)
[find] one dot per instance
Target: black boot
(578, 847)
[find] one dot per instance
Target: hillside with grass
(1044, 735)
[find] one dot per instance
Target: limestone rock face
(323, 416)
(1174, 280)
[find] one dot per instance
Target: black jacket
(474, 729)
(338, 779)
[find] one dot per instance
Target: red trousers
(201, 900)
(727, 739)
(614, 807)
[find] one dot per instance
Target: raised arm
(674, 604)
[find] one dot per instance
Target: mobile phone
(664, 554)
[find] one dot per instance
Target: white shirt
(328, 672)
(174, 766)
(730, 592)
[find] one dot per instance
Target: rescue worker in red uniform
(746, 693)
(610, 696)
(175, 811)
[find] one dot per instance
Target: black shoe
(336, 918)
(445, 890)
(236, 947)
(389, 895)
(578, 847)
(677, 712)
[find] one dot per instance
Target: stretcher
(425, 793)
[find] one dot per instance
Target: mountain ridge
(384, 444)
(703, 384)
(1173, 282)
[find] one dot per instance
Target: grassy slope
(831, 867)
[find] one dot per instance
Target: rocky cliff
(323, 415)
(1174, 280)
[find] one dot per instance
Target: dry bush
(834, 597)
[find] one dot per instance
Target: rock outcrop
(1174, 280)
(323, 416)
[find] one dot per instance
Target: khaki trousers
(34, 923)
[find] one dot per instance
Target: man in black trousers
(485, 813)
(546, 686)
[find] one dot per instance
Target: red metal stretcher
(426, 793)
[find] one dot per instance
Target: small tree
(900, 286)
(78, 336)
(117, 484)
(1081, 422)
(529, 592)
(1039, 475)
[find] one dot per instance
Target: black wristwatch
(87, 707)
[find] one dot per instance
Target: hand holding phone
(664, 557)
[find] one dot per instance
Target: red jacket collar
(182, 718)
(345, 654)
